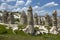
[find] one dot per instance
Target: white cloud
(20, 3)
(3, 6)
(50, 4)
(10, 0)
(36, 9)
(7, 0)
(39, 10)
(58, 12)
(42, 11)
(16, 16)
(28, 2)
(15, 10)
(25, 9)
(16, 7)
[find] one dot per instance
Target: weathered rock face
(30, 21)
(54, 29)
(35, 19)
(23, 19)
(4, 17)
(43, 21)
(58, 21)
(8, 17)
(30, 16)
(11, 18)
(54, 18)
(39, 20)
(1, 17)
(47, 20)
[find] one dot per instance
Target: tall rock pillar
(23, 19)
(54, 18)
(54, 29)
(39, 20)
(47, 20)
(12, 18)
(4, 17)
(30, 21)
(35, 19)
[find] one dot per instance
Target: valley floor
(29, 37)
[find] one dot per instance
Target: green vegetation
(36, 28)
(43, 23)
(17, 20)
(3, 30)
(24, 36)
(7, 34)
(22, 26)
(9, 31)
(48, 27)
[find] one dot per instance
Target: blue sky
(41, 7)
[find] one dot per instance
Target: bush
(22, 26)
(10, 31)
(36, 28)
(3, 29)
(16, 31)
(48, 27)
(19, 32)
(17, 20)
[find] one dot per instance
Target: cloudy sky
(41, 7)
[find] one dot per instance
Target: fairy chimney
(30, 21)
(23, 19)
(35, 19)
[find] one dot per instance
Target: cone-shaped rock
(30, 21)
(43, 20)
(4, 17)
(39, 20)
(35, 19)
(47, 20)
(54, 22)
(54, 18)
(11, 18)
(23, 19)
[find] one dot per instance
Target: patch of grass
(3, 29)
(9, 31)
(22, 26)
(20, 35)
(36, 28)
(24, 36)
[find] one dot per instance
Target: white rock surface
(41, 28)
(53, 30)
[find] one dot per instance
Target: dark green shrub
(10, 31)
(22, 26)
(16, 31)
(19, 32)
(3, 29)
(36, 28)
(17, 20)
(48, 27)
